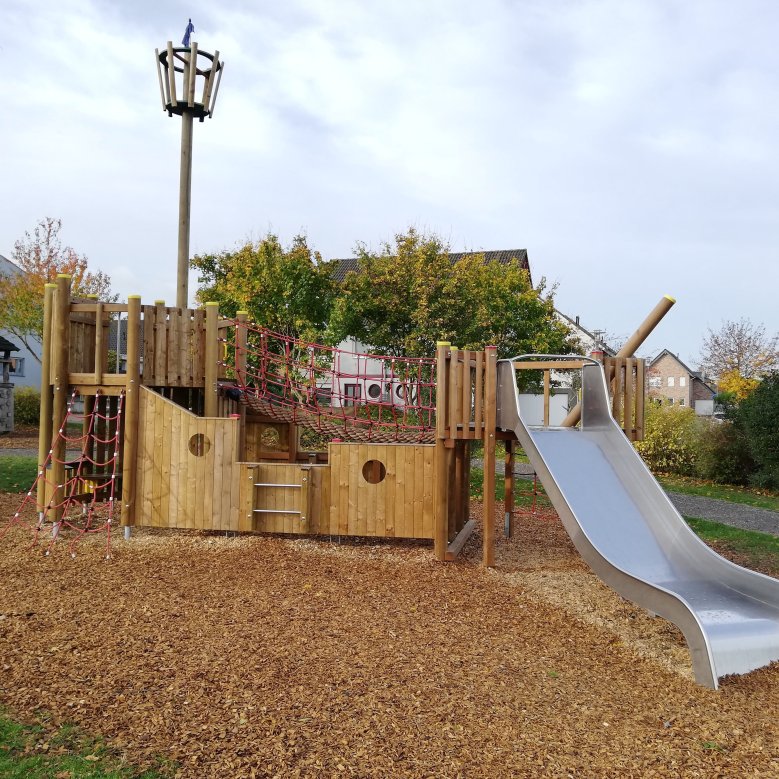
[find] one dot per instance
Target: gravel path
(735, 514)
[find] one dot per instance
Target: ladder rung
(274, 511)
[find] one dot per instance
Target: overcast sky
(629, 145)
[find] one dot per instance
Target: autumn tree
(739, 350)
(410, 294)
(735, 385)
(286, 289)
(40, 257)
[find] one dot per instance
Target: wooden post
(547, 394)
(459, 486)
(60, 346)
(131, 400)
(44, 432)
(508, 481)
(441, 508)
(490, 422)
(640, 400)
(185, 201)
(629, 348)
(212, 357)
(241, 336)
(99, 345)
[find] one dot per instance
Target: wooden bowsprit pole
(629, 348)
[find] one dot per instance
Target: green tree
(758, 414)
(288, 290)
(410, 295)
(40, 257)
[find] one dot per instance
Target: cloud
(630, 147)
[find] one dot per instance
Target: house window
(670, 401)
(670, 381)
(681, 401)
(351, 394)
(682, 381)
(17, 366)
(655, 382)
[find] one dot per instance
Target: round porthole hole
(199, 444)
(374, 471)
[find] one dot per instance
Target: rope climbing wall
(352, 395)
(83, 503)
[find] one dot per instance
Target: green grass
(751, 548)
(521, 488)
(41, 751)
(707, 489)
(17, 473)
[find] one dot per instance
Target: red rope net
(354, 395)
(83, 503)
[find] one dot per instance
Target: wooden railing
(460, 409)
(172, 345)
(628, 392)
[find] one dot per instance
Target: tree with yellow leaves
(40, 257)
(736, 385)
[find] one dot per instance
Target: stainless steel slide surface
(632, 536)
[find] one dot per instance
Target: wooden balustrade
(460, 388)
(628, 394)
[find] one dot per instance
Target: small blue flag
(190, 29)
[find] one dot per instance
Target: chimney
(577, 320)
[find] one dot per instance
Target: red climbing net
(84, 502)
(342, 393)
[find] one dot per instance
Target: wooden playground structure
(199, 447)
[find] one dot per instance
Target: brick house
(670, 380)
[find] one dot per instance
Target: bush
(723, 453)
(758, 414)
(27, 406)
(670, 439)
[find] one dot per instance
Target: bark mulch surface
(262, 656)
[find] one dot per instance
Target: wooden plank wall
(461, 385)
(187, 475)
(173, 346)
(81, 356)
(399, 506)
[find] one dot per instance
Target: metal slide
(632, 536)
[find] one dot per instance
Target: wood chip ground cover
(260, 656)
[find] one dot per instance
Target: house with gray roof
(503, 256)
